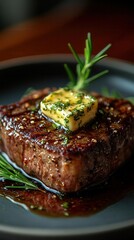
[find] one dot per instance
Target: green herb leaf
(107, 93)
(65, 205)
(83, 67)
(8, 172)
(131, 99)
(28, 91)
(115, 94)
(71, 76)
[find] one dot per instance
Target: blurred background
(34, 27)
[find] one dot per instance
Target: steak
(65, 161)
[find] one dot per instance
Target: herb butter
(69, 108)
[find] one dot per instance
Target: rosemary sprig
(28, 91)
(130, 99)
(83, 67)
(8, 172)
(107, 93)
(115, 94)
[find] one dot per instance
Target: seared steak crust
(67, 161)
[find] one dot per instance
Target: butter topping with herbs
(69, 108)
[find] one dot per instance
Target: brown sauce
(85, 203)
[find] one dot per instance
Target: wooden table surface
(50, 33)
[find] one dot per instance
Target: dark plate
(16, 222)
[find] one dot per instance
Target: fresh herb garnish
(83, 67)
(8, 172)
(115, 94)
(131, 99)
(107, 93)
(65, 205)
(28, 91)
(65, 140)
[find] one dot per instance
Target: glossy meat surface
(67, 162)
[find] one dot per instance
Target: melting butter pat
(71, 109)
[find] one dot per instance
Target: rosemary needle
(8, 172)
(115, 94)
(83, 67)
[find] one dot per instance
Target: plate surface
(116, 220)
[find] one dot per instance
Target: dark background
(34, 27)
